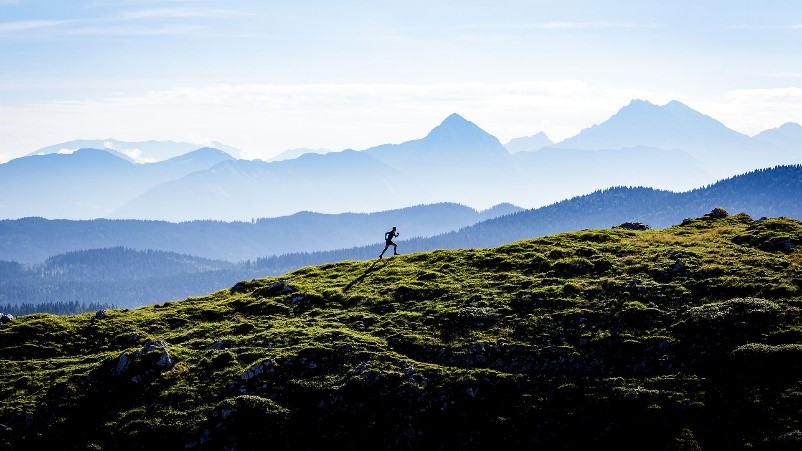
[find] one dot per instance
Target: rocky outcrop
(144, 363)
(275, 288)
(717, 213)
(632, 226)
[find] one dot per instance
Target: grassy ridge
(679, 338)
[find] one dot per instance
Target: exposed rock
(257, 369)
(783, 244)
(122, 364)
(243, 286)
(777, 243)
(216, 346)
(6, 317)
(101, 314)
(152, 345)
(275, 288)
(135, 361)
(633, 226)
(165, 361)
(717, 213)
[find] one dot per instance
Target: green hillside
(684, 338)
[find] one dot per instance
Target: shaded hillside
(683, 338)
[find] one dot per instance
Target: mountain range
(134, 151)
(669, 147)
(720, 150)
(88, 183)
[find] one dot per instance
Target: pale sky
(266, 76)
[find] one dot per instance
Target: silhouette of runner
(388, 241)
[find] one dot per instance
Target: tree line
(58, 308)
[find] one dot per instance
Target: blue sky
(265, 76)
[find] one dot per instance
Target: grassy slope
(659, 339)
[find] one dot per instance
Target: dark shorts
(389, 243)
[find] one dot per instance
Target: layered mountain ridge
(670, 147)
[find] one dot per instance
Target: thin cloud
(168, 30)
(568, 25)
(176, 13)
(116, 25)
(754, 110)
(23, 25)
(559, 25)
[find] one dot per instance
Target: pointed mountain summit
(455, 138)
(456, 132)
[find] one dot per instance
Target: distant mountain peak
(455, 117)
(640, 102)
(135, 151)
(454, 121)
(787, 136)
(456, 128)
(209, 151)
(456, 133)
(204, 153)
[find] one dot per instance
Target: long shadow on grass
(371, 269)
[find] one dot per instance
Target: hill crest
(599, 338)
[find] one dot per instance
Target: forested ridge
(113, 276)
